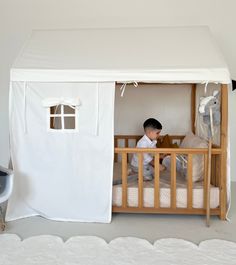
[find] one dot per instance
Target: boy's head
(152, 128)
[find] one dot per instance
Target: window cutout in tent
(63, 117)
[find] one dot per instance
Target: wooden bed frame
(215, 169)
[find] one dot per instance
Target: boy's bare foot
(162, 168)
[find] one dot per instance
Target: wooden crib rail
(126, 138)
(124, 152)
(200, 151)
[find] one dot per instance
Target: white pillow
(194, 141)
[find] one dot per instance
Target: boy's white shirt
(144, 142)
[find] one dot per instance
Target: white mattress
(148, 193)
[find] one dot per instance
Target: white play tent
(65, 173)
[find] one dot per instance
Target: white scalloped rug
(124, 250)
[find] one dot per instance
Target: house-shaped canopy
(166, 54)
(62, 109)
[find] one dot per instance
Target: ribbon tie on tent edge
(71, 102)
(123, 87)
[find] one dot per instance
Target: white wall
(171, 105)
(19, 17)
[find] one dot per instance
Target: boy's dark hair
(152, 123)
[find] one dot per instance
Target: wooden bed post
(193, 107)
(124, 180)
(223, 144)
(116, 145)
(208, 184)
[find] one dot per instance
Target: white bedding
(148, 193)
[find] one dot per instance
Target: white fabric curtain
(62, 175)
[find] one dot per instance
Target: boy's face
(153, 134)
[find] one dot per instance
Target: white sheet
(55, 170)
(164, 54)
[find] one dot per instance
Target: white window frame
(62, 115)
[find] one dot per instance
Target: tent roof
(165, 54)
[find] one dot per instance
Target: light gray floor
(150, 227)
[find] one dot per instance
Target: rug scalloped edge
(115, 240)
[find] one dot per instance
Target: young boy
(152, 129)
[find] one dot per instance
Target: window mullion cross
(62, 117)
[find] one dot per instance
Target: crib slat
(205, 181)
(208, 189)
(124, 179)
(126, 146)
(140, 180)
(173, 181)
(190, 182)
(116, 155)
(156, 181)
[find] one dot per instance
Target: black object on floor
(2, 174)
(234, 84)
